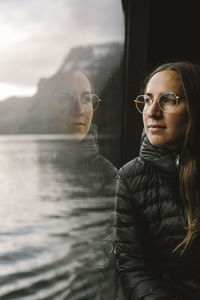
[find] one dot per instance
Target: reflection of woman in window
(158, 203)
(74, 104)
(93, 182)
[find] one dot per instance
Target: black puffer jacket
(90, 180)
(150, 224)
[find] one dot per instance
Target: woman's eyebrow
(86, 92)
(149, 94)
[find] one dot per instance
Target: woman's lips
(156, 128)
(78, 124)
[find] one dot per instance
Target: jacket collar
(164, 160)
(70, 153)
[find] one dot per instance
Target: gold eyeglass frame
(151, 101)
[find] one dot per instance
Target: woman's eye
(169, 100)
(147, 100)
(87, 99)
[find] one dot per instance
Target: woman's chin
(76, 135)
(157, 142)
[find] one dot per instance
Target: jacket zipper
(177, 160)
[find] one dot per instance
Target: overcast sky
(36, 36)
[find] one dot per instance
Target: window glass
(60, 131)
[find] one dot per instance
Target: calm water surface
(48, 231)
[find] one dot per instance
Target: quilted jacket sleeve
(136, 267)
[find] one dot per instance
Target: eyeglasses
(87, 100)
(167, 102)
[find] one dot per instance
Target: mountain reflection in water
(56, 233)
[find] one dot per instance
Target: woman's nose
(78, 106)
(154, 109)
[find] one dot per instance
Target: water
(54, 234)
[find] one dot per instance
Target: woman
(158, 197)
(90, 180)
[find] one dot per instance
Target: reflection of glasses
(87, 99)
(167, 102)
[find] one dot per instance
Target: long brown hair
(189, 175)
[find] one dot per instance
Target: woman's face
(163, 129)
(74, 119)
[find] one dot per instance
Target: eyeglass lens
(69, 99)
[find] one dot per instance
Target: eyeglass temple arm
(137, 101)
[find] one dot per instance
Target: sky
(37, 35)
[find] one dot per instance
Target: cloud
(37, 35)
